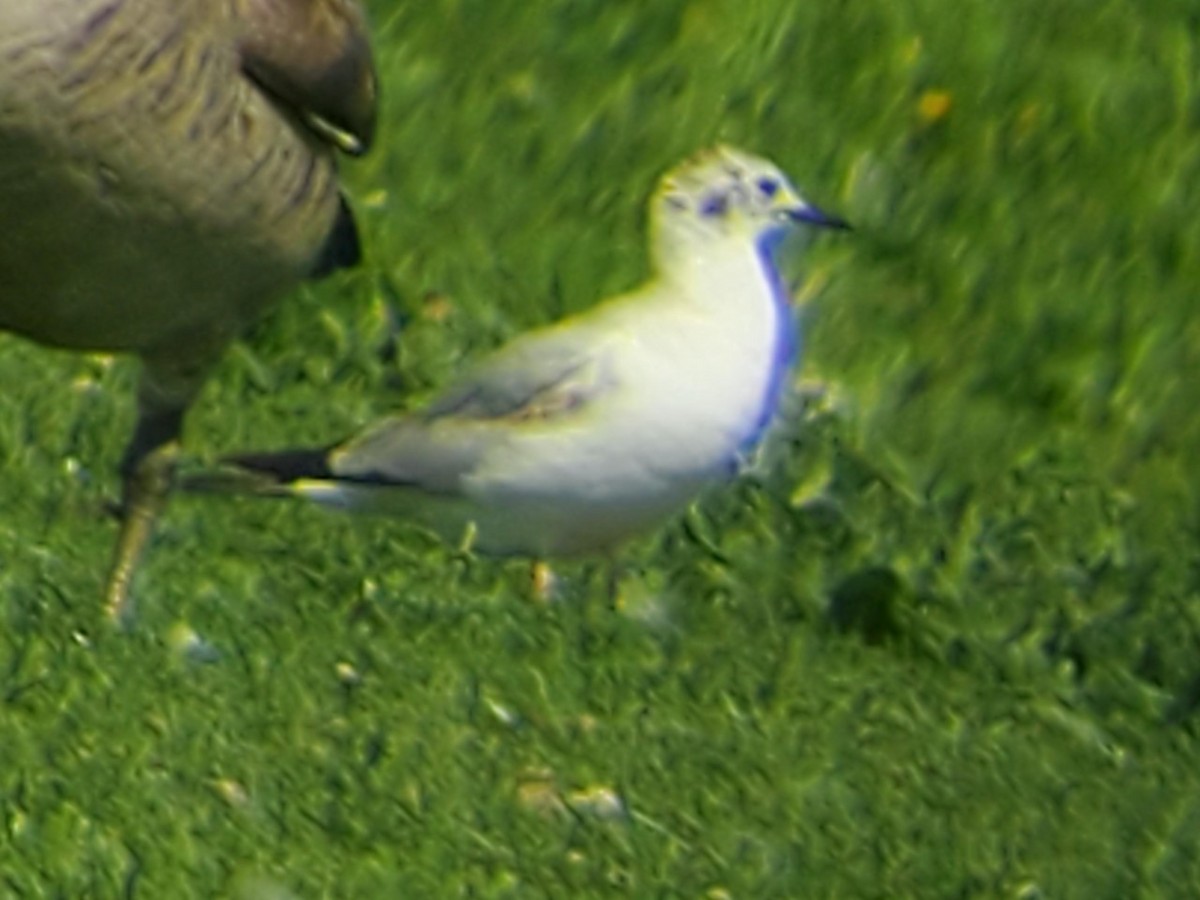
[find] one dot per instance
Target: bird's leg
(613, 570)
(466, 544)
(147, 470)
(543, 581)
(146, 473)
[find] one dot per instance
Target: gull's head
(725, 195)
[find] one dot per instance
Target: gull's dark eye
(768, 186)
(713, 205)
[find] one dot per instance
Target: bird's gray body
(166, 173)
(156, 198)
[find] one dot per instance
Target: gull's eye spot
(676, 202)
(714, 205)
(767, 186)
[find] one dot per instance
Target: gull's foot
(543, 583)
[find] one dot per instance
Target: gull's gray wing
(538, 375)
(553, 373)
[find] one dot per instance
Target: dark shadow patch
(864, 603)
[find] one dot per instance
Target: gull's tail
(271, 474)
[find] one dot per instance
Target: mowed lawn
(943, 641)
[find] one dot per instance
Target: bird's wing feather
(405, 451)
(537, 376)
(545, 376)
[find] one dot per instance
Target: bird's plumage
(572, 438)
(167, 172)
(161, 197)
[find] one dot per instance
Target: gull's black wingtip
(268, 474)
(285, 466)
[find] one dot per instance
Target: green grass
(943, 643)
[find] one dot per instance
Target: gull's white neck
(725, 275)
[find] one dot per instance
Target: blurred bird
(574, 437)
(167, 172)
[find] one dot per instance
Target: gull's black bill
(810, 215)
